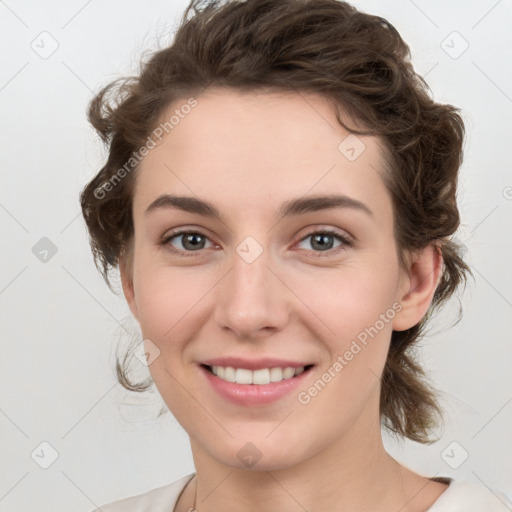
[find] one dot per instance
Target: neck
(352, 473)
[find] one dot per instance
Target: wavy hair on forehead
(360, 63)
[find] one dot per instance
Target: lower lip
(253, 394)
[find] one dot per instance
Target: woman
(279, 198)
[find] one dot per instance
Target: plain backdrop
(71, 437)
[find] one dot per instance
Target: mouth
(259, 377)
(260, 387)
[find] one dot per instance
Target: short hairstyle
(357, 61)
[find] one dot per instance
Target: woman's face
(255, 289)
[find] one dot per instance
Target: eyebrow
(291, 207)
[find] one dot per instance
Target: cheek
(156, 304)
(170, 302)
(343, 302)
(359, 313)
(348, 300)
(354, 311)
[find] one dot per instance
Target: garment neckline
(440, 479)
(444, 480)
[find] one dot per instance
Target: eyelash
(346, 242)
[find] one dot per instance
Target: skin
(247, 153)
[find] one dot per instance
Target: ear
(418, 287)
(126, 271)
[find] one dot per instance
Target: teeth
(262, 376)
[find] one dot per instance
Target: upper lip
(253, 364)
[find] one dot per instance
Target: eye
(191, 241)
(194, 241)
(321, 241)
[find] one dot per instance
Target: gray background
(60, 324)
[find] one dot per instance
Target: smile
(254, 388)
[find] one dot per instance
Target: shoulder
(160, 499)
(465, 496)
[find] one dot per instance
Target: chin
(261, 453)
(262, 461)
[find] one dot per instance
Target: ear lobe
(425, 272)
(125, 270)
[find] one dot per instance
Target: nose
(252, 301)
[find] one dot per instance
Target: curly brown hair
(360, 63)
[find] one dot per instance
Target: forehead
(261, 145)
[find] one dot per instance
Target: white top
(460, 496)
